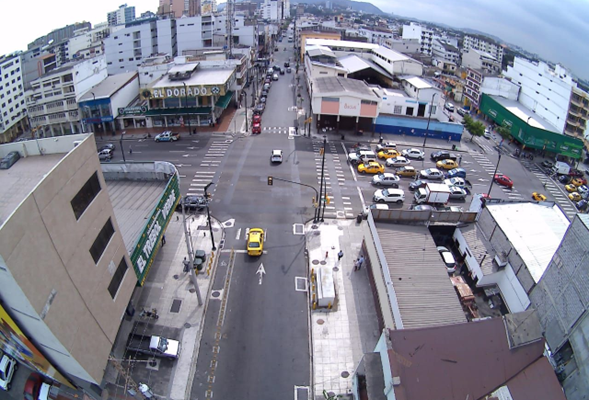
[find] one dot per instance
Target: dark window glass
(84, 197)
(102, 241)
(117, 278)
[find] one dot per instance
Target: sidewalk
(171, 292)
(340, 336)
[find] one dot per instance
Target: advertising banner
(17, 345)
(151, 237)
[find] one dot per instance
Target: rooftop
(334, 84)
(418, 82)
(524, 114)
(109, 86)
(534, 230)
(424, 292)
(208, 77)
(352, 63)
(341, 43)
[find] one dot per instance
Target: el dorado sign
(180, 92)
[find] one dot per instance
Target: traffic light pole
(323, 200)
(315, 215)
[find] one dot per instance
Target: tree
(504, 130)
(475, 128)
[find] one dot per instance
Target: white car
(457, 193)
(7, 367)
(413, 153)
(448, 259)
(487, 133)
(431, 173)
(386, 179)
(397, 161)
(389, 196)
(276, 156)
(385, 145)
(455, 182)
(449, 107)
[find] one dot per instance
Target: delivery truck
(156, 346)
(432, 193)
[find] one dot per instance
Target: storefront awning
(179, 111)
(223, 101)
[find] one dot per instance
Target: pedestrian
(356, 264)
(380, 140)
(340, 255)
(459, 159)
(449, 139)
(194, 131)
(186, 265)
(130, 150)
(163, 240)
(360, 262)
(326, 254)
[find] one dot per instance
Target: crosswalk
(334, 179)
(208, 167)
(481, 185)
(281, 130)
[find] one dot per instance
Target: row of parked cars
(36, 388)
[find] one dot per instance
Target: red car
(503, 180)
(33, 386)
(257, 119)
(257, 128)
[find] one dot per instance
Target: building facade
(482, 61)
(423, 34)
(442, 50)
(121, 16)
(472, 42)
(13, 110)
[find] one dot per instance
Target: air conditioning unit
(501, 260)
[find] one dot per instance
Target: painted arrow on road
(261, 271)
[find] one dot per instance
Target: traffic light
(270, 181)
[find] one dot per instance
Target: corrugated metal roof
(534, 230)
(109, 86)
(314, 51)
(479, 247)
(418, 82)
(335, 84)
(341, 43)
(424, 291)
(133, 202)
(353, 63)
(391, 54)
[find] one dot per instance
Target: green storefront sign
(151, 237)
(530, 136)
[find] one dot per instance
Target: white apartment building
(87, 43)
(272, 10)
(545, 91)
(423, 34)
(195, 33)
(405, 46)
(376, 36)
(443, 50)
(417, 99)
(52, 101)
(243, 30)
(472, 42)
(121, 16)
(12, 100)
(126, 48)
(480, 60)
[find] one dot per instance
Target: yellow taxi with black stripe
(371, 168)
(255, 242)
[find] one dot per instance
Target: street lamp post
(428, 120)
(323, 200)
(495, 173)
(186, 106)
(209, 216)
(121, 143)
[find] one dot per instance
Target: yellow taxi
(570, 188)
(371, 168)
(447, 164)
(577, 181)
(255, 242)
(388, 153)
(538, 196)
(406, 171)
(575, 196)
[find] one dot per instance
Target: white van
(362, 156)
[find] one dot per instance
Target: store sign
(150, 239)
(349, 107)
(132, 110)
(180, 92)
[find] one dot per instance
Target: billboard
(16, 344)
(151, 237)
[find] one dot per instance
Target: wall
(89, 74)
(409, 126)
(119, 47)
(189, 34)
(500, 87)
(166, 37)
(124, 96)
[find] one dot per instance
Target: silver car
(431, 173)
(413, 153)
(386, 179)
(457, 193)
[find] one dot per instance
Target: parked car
(260, 108)
(386, 146)
(282, 70)
(108, 146)
(447, 164)
(503, 180)
(449, 107)
(397, 162)
(443, 155)
(389, 196)
(286, 64)
(570, 188)
(456, 182)
(417, 184)
(413, 153)
(264, 93)
(565, 179)
(461, 112)
(7, 367)
(386, 179)
(263, 99)
(431, 173)
(276, 156)
(422, 207)
(448, 258)
(9, 160)
(457, 193)
(105, 155)
(547, 164)
(33, 386)
(288, 70)
(275, 77)
(487, 134)
(407, 170)
(456, 173)
(581, 205)
(257, 119)
(538, 196)
(371, 168)
(575, 196)
(450, 208)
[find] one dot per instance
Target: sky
(555, 30)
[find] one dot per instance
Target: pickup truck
(167, 136)
(156, 346)
(433, 193)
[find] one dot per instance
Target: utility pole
(209, 216)
(431, 106)
(190, 251)
(322, 201)
(494, 173)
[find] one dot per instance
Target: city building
(272, 10)
(315, 32)
(442, 50)
(405, 46)
(552, 94)
(121, 16)
(52, 100)
(126, 48)
(473, 42)
(189, 8)
(472, 89)
(194, 33)
(561, 298)
(479, 60)
(72, 250)
(421, 33)
(59, 35)
(12, 100)
(377, 36)
(87, 43)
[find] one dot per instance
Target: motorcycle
(149, 313)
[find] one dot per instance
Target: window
(398, 110)
(84, 197)
(117, 278)
(101, 241)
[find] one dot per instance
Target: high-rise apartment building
(423, 34)
(121, 16)
(472, 42)
(12, 100)
(188, 8)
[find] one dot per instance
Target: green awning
(179, 111)
(223, 101)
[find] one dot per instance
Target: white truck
(167, 136)
(432, 193)
(156, 346)
(561, 168)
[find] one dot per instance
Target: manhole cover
(320, 322)
(335, 269)
(314, 226)
(187, 325)
(176, 276)
(345, 374)
(323, 262)
(315, 262)
(216, 294)
(176, 306)
(192, 290)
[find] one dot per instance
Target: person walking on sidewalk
(356, 264)
(340, 255)
(360, 262)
